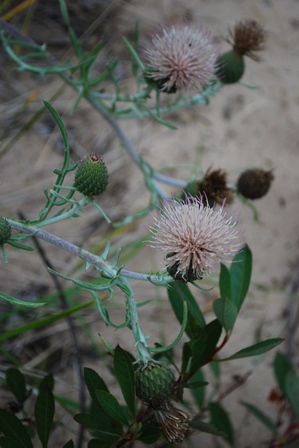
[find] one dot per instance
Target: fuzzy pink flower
(182, 58)
(194, 236)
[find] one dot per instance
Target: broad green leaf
(44, 414)
(108, 434)
(204, 347)
(186, 356)
(47, 381)
(199, 394)
(221, 420)
(13, 428)
(256, 349)
(261, 416)
(150, 433)
(112, 407)
(7, 442)
(97, 443)
(69, 444)
(240, 274)
(215, 368)
(94, 382)
(198, 348)
(196, 384)
(178, 293)
(15, 380)
(209, 428)
(125, 375)
(292, 391)
(104, 420)
(225, 285)
(282, 366)
(226, 313)
(17, 302)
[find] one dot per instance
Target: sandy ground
(241, 128)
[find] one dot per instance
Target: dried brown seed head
(247, 38)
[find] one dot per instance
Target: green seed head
(5, 231)
(91, 177)
(230, 67)
(154, 384)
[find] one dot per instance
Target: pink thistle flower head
(194, 236)
(182, 58)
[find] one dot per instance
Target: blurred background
(241, 128)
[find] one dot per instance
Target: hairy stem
(95, 260)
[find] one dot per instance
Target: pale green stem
(76, 208)
(201, 98)
(95, 260)
(140, 339)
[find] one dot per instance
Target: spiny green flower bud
(5, 231)
(91, 177)
(255, 183)
(230, 67)
(154, 384)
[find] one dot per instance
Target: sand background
(240, 128)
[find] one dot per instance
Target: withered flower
(213, 188)
(247, 38)
(173, 421)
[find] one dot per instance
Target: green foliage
(221, 420)
(288, 381)
(178, 293)
(111, 406)
(267, 421)
(15, 381)
(226, 313)
(13, 430)
(112, 422)
(125, 375)
(256, 349)
(44, 414)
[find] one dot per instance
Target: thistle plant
(195, 233)
(194, 236)
(182, 58)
